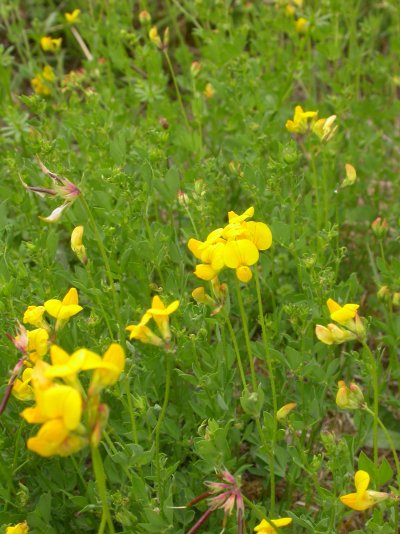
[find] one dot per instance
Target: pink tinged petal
(226, 475)
(55, 214)
(229, 504)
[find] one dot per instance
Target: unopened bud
(202, 297)
(154, 37)
(76, 244)
(349, 398)
(195, 68)
(380, 227)
(209, 91)
(183, 199)
(144, 17)
(384, 293)
(283, 412)
(396, 299)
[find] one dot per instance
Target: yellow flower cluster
(73, 17)
(70, 419)
(307, 121)
(235, 246)
(346, 316)
(49, 44)
(41, 83)
(160, 314)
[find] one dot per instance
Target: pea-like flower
(73, 17)
(307, 121)
(349, 397)
(77, 245)
(351, 325)
(363, 498)
(235, 246)
(42, 82)
(64, 309)
(302, 121)
(20, 528)
(49, 44)
(283, 412)
(160, 314)
(268, 527)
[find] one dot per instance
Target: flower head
(22, 389)
(267, 527)
(341, 314)
(349, 398)
(49, 44)
(301, 120)
(34, 315)
(20, 528)
(72, 18)
(64, 309)
(324, 128)
(302, 25)
(333, 334)
(363, 498)
(308, 121)
(76, 244)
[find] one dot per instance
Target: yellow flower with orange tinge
(301, 25)
(351, 325)
(349, 398)
(235, 246)
(73, 18)
(268, 527)
(160, 314)
(209, 91)
(283, 412)
(363, 498)
(20, 528)
(49, 44)
(77, 245)
(308, 121)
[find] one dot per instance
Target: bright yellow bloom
(49, 44)
(34, 315)
(76, 244)
(48, 73)
(143, 333)
(21, 528)
(22, 389)
(265, 527)
(260, 234)
(73, 17)
(301, 120)
(112, 365)
(349, 398)
(239, 255)
(154, 37)
(234, 218)
(333, 335)
(351, 175)
(363, 498)
(283, 412)
(37, 344)
(324, 128)
(54, 438)
(160, 313)
(301, 25)
(63, 309)
(341, 314)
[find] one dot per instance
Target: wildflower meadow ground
(199, 269)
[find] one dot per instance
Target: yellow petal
(234, 218)
(71, 297)
(194, 247)
(244, 274)
(332, 305)
(205, 272)
(361, 481)
(260, 234)
(242, 252)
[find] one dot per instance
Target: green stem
(389, 440)
(178, 93)
(99, 303)
(158, 427)
(99, 474)
(246, 335)
(107, 267)
(374, 373)
(236, 348)
(268, 361)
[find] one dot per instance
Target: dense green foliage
(135, 133)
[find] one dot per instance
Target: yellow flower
(363, 498)
(37, 344)
(160, 313)
(301, 25)
(48, 73)
(54, 439)
(73, 17)
(267, 527)
(199, 294)
(34, 315)
(209, 91)
(332, 334)
(143, 333)
(351, 175)
(324, 128)
(63, 309)
(239, 255)
(112, 365)
(76, 244)
(154, 37)
(349, 398)
(341, 314)
(283, 412)
(21, 388)
(21, 528)
(301, 120)
(260, 234)
(39, 86)
(49, 44)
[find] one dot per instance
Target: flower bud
(202, 297)
(154, 37)
(349, 398)
(144, 17)
(384, 293)
(76, 244)
(209, 91)
(396, 299)
(380, 227)
(333, 334)
(195, 68)
(283, 412)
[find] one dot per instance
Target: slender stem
(168, 357)
(374, 373)
(178, 93)
(236, 348)
(98, 300)
(107, 267)
(82, 43)
(246, 335)
(389, 440)
(99, 474)
(268, 361)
